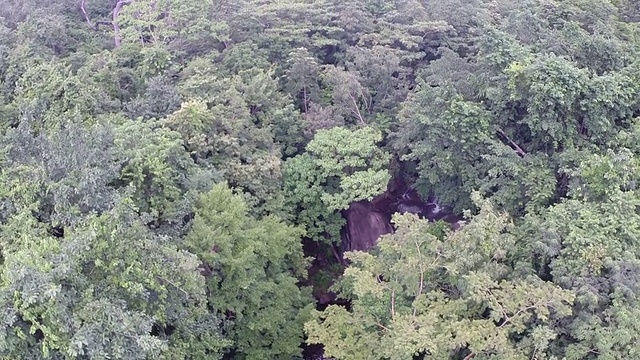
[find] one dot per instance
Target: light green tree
(110, 289)
(252, 268)
(339, 166)
(424, 291)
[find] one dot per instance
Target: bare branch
(172, 284)
(95, 26)
(306, 99)
(336, 254)
(420, 287)
(356, 110)
(116, 28)
(116, 11)
(517, 148)
(422, 270)
(393, 304)
(86, 16)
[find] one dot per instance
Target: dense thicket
(162, 164)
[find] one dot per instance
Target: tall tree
(111, 289)
(427, 292)
(339, 166)
(252, 269)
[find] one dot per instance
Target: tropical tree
(252, 269)
(339, 166)
(424, 291)
(111, 289)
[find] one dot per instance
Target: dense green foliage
(338, 167)
(162, 164)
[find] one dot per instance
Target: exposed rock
(367, 221)
(364, 226)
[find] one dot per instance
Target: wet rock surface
(368, 220)
(315, 352)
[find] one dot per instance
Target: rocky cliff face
(368, 220)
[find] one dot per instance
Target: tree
(241, 125)
(425, 291)
(339, 166)
(117, 116)
(111, 289)
(185, 27)
(158, 171)
(588, 245)
(518, 96)
(61, 177)
(252, 269)
(159, 99)
(302, 77)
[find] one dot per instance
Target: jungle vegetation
(164, 165)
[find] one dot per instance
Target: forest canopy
(186, 179)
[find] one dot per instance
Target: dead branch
(86, 16)
(420, 287)
(393, 304)
(336, 254)
(116, 11)
(172, 284)
(517, 148)
(356, 110)
(116, 28)
(95, 26)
